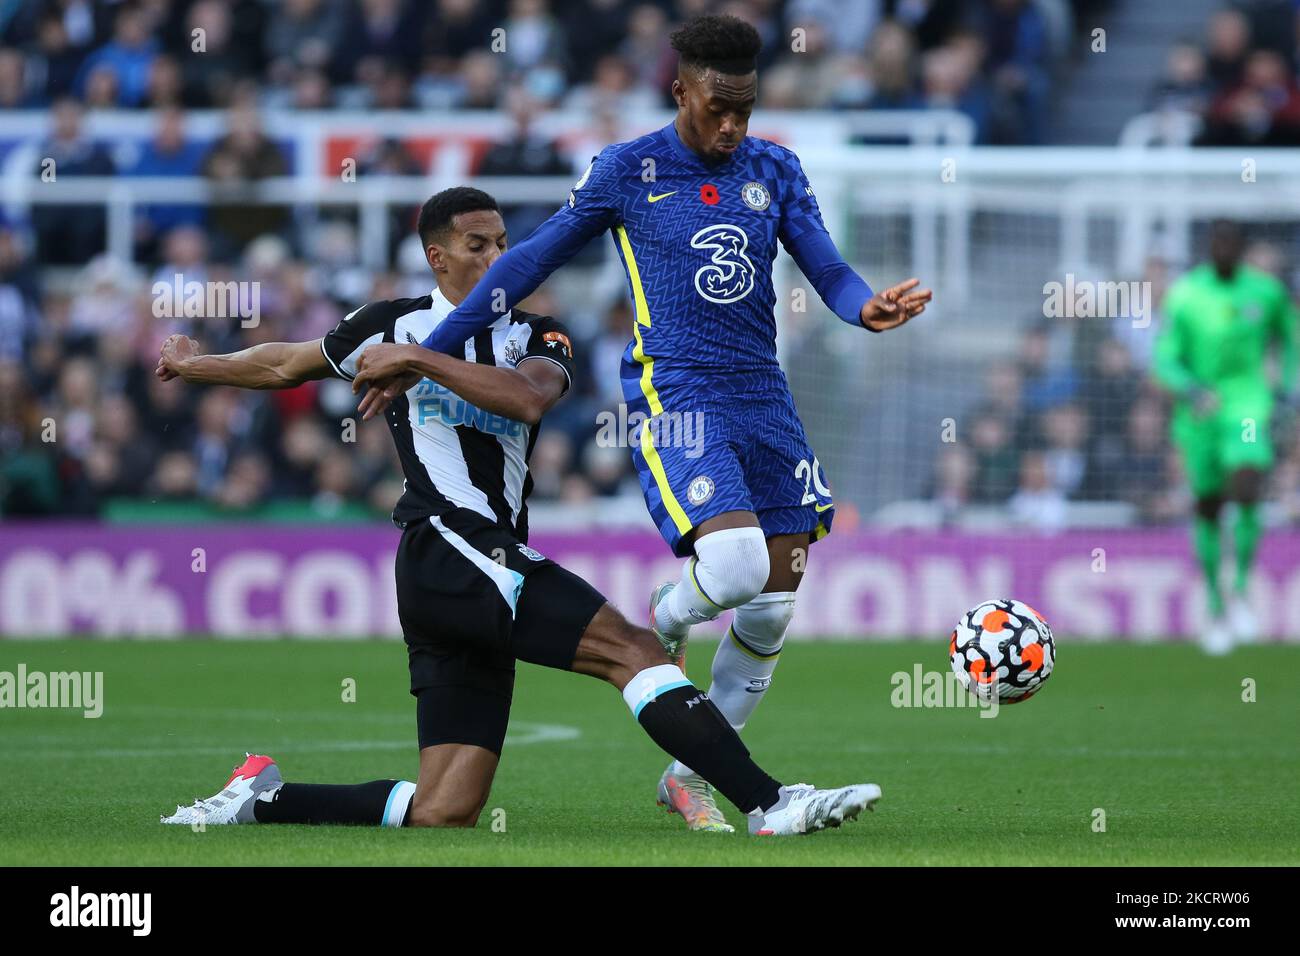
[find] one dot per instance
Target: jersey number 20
(811, 475)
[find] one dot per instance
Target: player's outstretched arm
(524, 393)
(269, 365)
(593, 207)
(805, 237)
(844, 291)
(513, 277)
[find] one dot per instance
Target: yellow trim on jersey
(652, 459)
(642, 318)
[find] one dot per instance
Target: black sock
(684, 722)
(361, 803)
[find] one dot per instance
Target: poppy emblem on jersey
(557, 341)
(709, 194)
(700, 490)
(756, 196)
(530, 554)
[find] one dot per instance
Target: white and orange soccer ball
(1002, 647)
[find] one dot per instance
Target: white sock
(728, 569)
(399, 802)
(648, 684)
(746, 658)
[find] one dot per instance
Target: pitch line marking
(521, 733)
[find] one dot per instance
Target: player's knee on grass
(454, 784)
(441, 811)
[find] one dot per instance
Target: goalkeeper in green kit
(1220, 321)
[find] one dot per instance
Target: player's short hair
(441, 209)
(724, 43)
(1227, 228)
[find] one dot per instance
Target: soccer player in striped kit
(697, 211)
(472, 596)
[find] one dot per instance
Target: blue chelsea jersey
(697, 242)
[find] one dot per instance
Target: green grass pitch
(1156, 736)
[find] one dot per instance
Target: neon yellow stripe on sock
(748, 651)
(699, 590)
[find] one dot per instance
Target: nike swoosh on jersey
(653, 198)
(820, 508)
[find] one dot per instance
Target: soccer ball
(1003, 647)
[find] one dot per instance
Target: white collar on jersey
(441, 307)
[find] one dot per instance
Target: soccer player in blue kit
(697, 210)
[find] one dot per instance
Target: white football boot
(234, 803)
(805, 809)
(691, 796)
(1241, 618)
(674, 642)
(1216, 639)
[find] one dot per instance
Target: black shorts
(472, 600)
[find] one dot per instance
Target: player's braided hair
(438, 212)
(724, 43)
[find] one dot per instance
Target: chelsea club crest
(699, 490)
(756, 196)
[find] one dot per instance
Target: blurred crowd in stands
(993, 59)
(1072, 415)
(1075, 416)
(84, 420)
(1239, 77)
(84, 423)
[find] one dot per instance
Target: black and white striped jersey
(454, 454)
